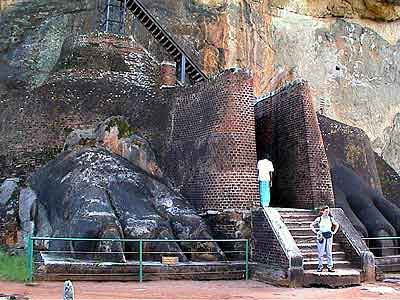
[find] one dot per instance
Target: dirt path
(196, 290)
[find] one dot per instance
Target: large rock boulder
(93, 193)
(348, 50)
(356, 183)
(119, 137)
(26, 212)
(9, 212)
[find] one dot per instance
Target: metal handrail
(131, 240)
(30, 249)
(169, 37)
(382, 238)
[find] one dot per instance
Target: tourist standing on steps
(327, 227)
(265, 169)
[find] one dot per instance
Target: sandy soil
(196, 290)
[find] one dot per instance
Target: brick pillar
(168, 74)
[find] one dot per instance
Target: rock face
(105, 196)
(27, 204)
(348, 50)
(124, 80)
(117, 136)
(9, 211)
(356, 183)
(347, 54)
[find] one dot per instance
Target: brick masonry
(168, 74)
(287, 128)
(204, 135)
(212, 147)
(266, 248)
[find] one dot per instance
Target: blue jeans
(325, 248)
(264, 193)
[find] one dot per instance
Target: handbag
(320, 238)
(327, 234)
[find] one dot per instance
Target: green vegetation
(13, 267)
(124, 130)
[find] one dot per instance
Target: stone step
(304, 239)
(297, 224)
(301, 231)
(313, 256)
(303, 247)
(313, 265)
(297, 218)
(294, 210)
(340, 278)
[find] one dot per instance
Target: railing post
(30, 258)
(140, 260)
(247, 259)
(182, 73)
(107, 16)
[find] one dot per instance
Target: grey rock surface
(26, 211)
(7, 189)
(93, 193)
(352, 64)
(116, 135)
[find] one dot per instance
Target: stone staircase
(298, 223)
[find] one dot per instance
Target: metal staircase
(186, 66)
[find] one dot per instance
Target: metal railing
(184, 57)
(386, 251)
(373, 240)
(393, 248)
(39, 255)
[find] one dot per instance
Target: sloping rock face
(348, 50)
(356, 183)
(124, 80)
(103, 195)
(390, 180)
(351, 65)
(351, 146)
(9, 189)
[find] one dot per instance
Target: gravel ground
(196, 290)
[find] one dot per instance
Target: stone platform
(339, 278)
(58, 268)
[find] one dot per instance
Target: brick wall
(212, 143)
(266, 247)
(287, 127)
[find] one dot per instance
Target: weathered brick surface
(266, 247)
(204, 135)
(287, 127)
(168, 74)
(212, 143)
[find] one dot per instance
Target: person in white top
(327, 227)
(265, 169)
